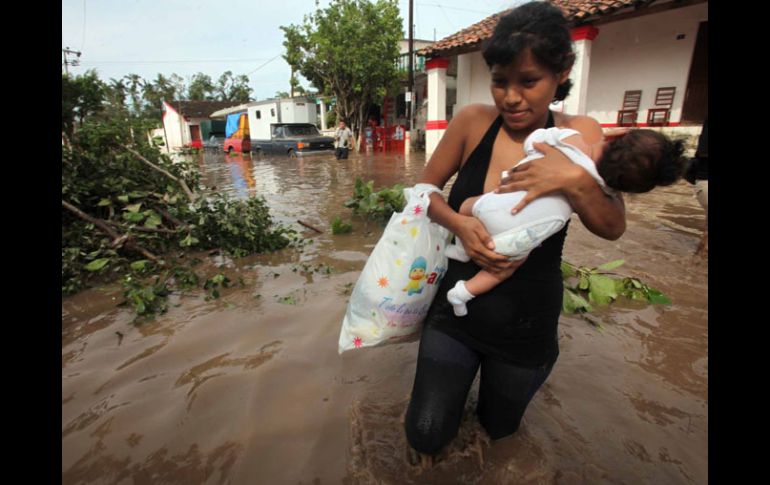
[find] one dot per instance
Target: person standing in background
(342, 140)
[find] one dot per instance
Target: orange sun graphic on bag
(382, 282)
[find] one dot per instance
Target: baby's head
(641, 160)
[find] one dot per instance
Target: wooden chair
(630, 110)
(659, 114)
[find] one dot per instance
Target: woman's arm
(602, 214)
(444, 163)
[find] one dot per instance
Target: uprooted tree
(129, 211)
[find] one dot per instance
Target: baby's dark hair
(641, 160)
(540, 27)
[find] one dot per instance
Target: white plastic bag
(397, 285)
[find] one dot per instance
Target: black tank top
(516, 321)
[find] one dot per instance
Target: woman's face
(523, 90)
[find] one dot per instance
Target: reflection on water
(250, 388)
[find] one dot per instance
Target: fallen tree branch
(179, 224)
(118, 239)
(181, 182)
(310, 227)
(161, 230)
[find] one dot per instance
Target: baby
(636, 161)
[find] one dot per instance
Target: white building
(185, 123)
(626, 47)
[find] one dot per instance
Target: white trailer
(264, 113)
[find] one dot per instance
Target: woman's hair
(539, 27)
(641, 160)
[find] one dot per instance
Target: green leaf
(133, 216)
(139, 265)
(188, 241)
(657, 298)
(133, 207)
(153, 221)
(584, 282)
(104, 202)
(602, 289)
(123, 198)
(97, 264)
(612, 265)
(567, 270)
(573, 303)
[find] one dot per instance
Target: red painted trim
(586, 32)
(640, 125)
(437, 63)
(436, 125)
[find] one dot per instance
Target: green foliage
(376, 205)
(214, 284)
(340, 227)
(331, 118)
(147, 299)
(201, 88)
(240, 227)
(121, 217)
(82, 96)
(584, 286)
(233, 88)
(348, 49)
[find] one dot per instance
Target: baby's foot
(458, 297)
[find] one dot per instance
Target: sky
(147, 37)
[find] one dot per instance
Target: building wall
(473, 80)
(177, 131)
(642, 53)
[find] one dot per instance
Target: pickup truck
(293, 139)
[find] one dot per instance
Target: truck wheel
(229, 150)
(292, 154)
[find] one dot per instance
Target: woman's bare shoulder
(588, 127)
(477, 112)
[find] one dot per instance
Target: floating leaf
(573, 303)
(611, 265)
(602, 289)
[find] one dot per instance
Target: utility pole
(411, 69)
(74, 62)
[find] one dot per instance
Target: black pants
(341, 153)
(445, 371)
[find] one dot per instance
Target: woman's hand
(479, 246)
(542, 176)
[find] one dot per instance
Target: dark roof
(576, 11)
(200, 109)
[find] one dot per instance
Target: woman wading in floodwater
(510, 332)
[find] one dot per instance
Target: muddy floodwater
(249, 388)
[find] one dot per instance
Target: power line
(453, 8)
(180, 61)
(263, 65)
